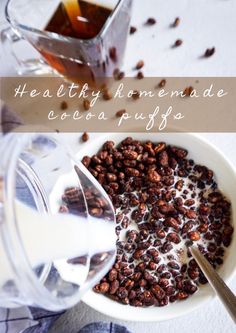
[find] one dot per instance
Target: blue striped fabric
(32, 320)
(104, 328)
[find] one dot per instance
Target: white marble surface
(203, 24)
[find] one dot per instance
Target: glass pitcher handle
(9, 39)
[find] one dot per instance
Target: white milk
(57, 238)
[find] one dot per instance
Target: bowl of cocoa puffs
(169, 191)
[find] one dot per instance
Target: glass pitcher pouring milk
(57, 225)
(82, 40)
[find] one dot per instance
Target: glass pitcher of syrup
(82, 40)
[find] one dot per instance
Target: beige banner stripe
(209, 108)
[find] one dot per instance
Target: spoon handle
(221, 289)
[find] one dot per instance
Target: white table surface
(203, 24)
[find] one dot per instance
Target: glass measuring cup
(82, 60)
(56, 224)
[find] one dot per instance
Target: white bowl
(203, 153)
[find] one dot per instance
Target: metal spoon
(224, 293)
